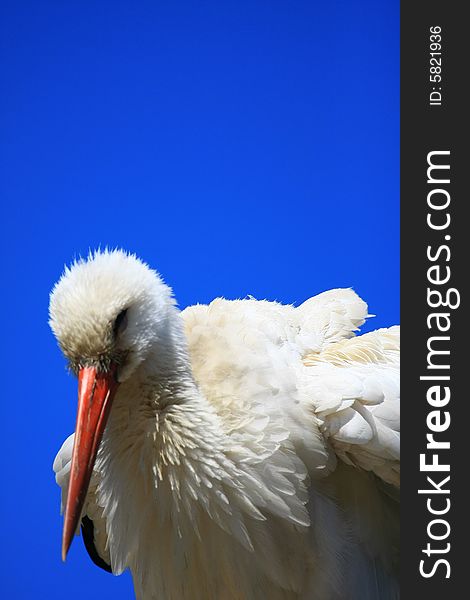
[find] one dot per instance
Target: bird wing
(330, 317)
(93, 526)
(283, 378)
(354, 386)
(283, 363)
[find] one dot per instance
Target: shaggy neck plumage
(162, 423)
(186, 486)
(162, 397)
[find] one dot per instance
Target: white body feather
(257, 459)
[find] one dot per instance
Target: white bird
(236, 451)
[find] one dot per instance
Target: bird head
(107, 313)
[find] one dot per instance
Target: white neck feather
(169, 481)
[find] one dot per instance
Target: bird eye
(120, 323)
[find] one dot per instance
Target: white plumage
(252, 449)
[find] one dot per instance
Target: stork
(242, 450)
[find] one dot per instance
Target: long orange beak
(95, 395)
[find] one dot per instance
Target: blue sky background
(238, 147)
